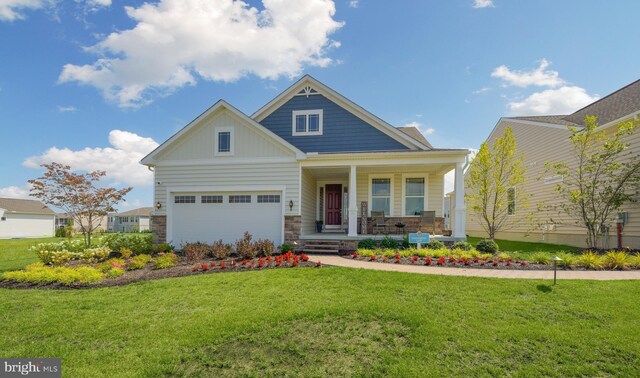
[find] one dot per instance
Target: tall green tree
(493, 179)
(602, 175)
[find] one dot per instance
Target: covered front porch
(348, 194)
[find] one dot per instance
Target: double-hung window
(307, 122)
(381, 190)
(414, 194)
(224, 141)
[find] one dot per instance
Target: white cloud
(482, 90)
(15, 192)
(66, 109)
(132, 204)
(540, 76)
(353, 3)
(11, 10)
(99, 3)
(175, 42)
(483, 4)
(121, 161)
(563, 100)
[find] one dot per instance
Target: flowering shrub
(95, 255)
(223, 265)
(69, 245)
(245, 248)
(195, 268)
(462, 245)
(57, 258)
(428, 261)
(115, 273)
(318, 264)
(204, 267)
(219, 250)
(195, 251)
(138, 262)
(165, 260)
(125, 252)
(355, 255)
(111, 264)
(441, 260)
(264, 247)
(372, 257)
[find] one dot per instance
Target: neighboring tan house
(308, 155)
(21, 218)
(546, 139)
(64, 219)
(130, 221)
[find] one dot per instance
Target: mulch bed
(465, 264)
(183, 268)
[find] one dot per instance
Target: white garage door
(211, 216)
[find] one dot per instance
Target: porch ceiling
(343, 172)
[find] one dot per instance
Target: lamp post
(555, 268)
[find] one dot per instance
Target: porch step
(321, 246)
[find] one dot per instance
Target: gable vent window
(268, 198)
(211, 199)
(307, 122)
(224, 141)
(240, 199)
(185, 199)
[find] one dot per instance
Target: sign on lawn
(418, 237)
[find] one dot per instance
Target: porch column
(459, 230)
(353, 206)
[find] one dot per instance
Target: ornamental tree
(77, 194)
(601, 175)
(493, 172)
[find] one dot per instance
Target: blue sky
(98, 83)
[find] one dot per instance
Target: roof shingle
(24, 206)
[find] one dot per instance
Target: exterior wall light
(290, 205)
(158, 205)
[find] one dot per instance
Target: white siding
(309, 213)
(208, 176)
(541, 144)
(26, 225)
(248, 141)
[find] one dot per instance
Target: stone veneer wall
(159, 229)
(292, 226)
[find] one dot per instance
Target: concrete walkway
(470, 272)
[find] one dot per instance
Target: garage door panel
(209, 222)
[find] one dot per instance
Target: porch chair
(379, 222)
(428, 222)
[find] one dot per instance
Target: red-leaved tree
(77, 194)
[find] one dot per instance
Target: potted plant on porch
(319, 224)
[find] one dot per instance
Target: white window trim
(389, 176)
(405, 176)
(515, 201)
(306, 113)
(219, 130)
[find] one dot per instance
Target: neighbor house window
(381, 195)
(240, 199)
(3, 219)
(185, 199)
(414, 195)
(211, 199)
(307, 122)
(224, 141)
(268, 198)
(511, 201)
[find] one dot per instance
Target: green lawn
(325, 322)
(15, 253)
(517, 246)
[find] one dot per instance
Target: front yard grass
(329, 322)
(526, 247)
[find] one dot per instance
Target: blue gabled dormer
(313, 122)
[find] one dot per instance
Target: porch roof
(435, 156)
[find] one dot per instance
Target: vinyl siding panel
(230, 175)
(199, 142)
(342, 131)
(541, 144)
(308, 212)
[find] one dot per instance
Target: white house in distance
(130, 221)
(308, 156)
(64, 219)
(21, 218)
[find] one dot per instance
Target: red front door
(333, 205)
